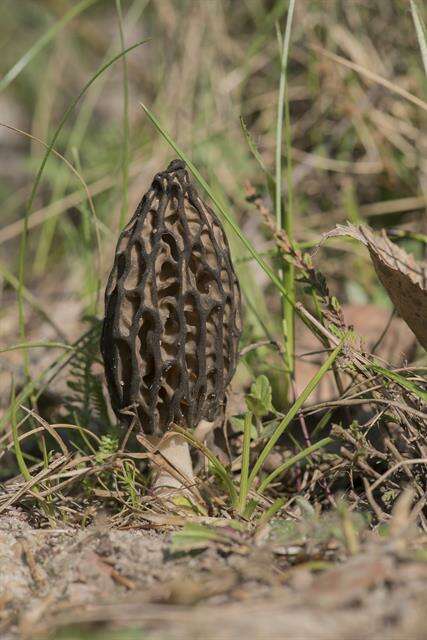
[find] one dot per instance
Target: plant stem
(284, 218)
(125, 168)
(305, 315)
(16, 445)
(244, 474)
(293, 411)
(290, 463)
(23, 244)
(420, 30)
(288, 268)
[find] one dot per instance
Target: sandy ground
(97, 579)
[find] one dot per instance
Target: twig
(384, 332)
(381, 515)
(392, 469)
(352, 457)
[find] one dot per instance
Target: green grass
(420, 29)
(297, 405)
(42, 42)
(244, 473)
(18, 451)
(125, 161)
(36, 183)
(284, 219)
(297, 125)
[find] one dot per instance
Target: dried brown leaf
(404, 279)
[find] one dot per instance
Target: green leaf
(399, 379)
(239, 426)
(259, 399)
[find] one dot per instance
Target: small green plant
(107, 447)
(127, 477)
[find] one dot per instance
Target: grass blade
(271, 183)
(271, 512)
(20, 65)
(290, 463)
(404, 382)
(284, 218)
(33, 345)
(23, 244)
(244, 475)
(224, 213)
(324, 420)
(16, 444)
(217, 465)
(420, 29)
(125, 160)
(282, 426)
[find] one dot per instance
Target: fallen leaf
(403, 278)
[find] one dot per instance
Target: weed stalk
(284, 215)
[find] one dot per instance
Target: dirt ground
(99, 582)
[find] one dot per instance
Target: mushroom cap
(172, 310)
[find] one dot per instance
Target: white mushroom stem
(176, 452)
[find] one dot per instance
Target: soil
(100, 582)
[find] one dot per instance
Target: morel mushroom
(172, 314)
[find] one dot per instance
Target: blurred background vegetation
(357, 147)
